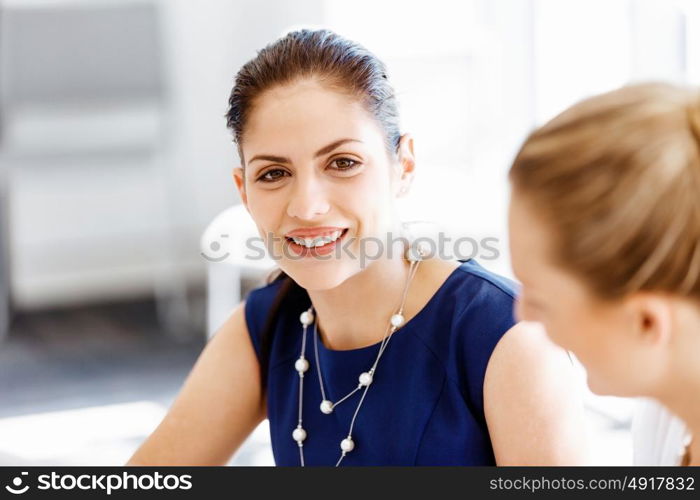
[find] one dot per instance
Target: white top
(658, 436)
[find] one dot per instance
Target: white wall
(110, 199)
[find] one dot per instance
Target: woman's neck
(356, 313)
(683, 380)
(690, 414)
(695, 450)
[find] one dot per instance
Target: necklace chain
(299, 434)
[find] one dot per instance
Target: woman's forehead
(304, 117)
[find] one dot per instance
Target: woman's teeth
(319, 241)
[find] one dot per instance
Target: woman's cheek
(265, 208)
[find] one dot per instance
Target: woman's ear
(239, 178)
(653, 318)
(407, 162)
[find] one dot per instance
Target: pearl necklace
(299, 434)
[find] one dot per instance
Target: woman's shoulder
(258, 303)
(483, 300)
(478, 282)
(266, 291)
(657, 434)
(472, 311)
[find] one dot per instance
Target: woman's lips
(314, 232)
(303, 251)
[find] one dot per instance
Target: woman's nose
(308, 198)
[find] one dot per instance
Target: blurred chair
(233, 249)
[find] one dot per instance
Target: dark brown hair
(338, 64)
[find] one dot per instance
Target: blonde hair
(617, 177)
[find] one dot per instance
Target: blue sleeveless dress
(425, 405)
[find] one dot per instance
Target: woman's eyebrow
(272, 158)
(324, 150)
(330, 147)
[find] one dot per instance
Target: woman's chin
(319, 283)
(321, 275)
(601, 386)
(598, 389)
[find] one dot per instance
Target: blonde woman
(605, 238)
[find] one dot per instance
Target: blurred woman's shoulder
(658, 436)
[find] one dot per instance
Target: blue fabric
(425, 406)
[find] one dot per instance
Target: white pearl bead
(417, 252)
(347, 444)
(412, 255)
(326, 406)
(397, 320)
(365, 378)
(299, 434)
(306, 318)
(301, 365)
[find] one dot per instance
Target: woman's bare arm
(219, 405)
(532, 401)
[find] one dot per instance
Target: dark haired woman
(406, 360)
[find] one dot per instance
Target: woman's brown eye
(344, 163)
(272, 175)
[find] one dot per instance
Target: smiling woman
(322, 164)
